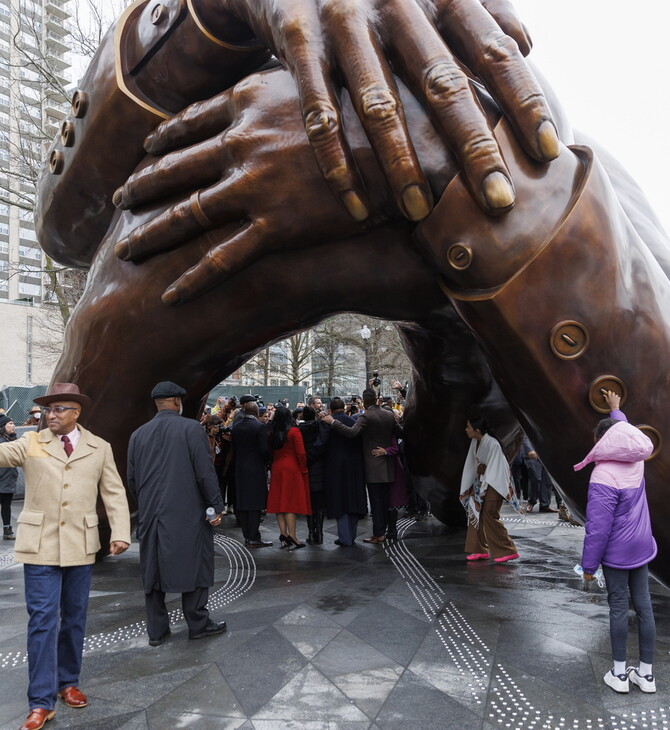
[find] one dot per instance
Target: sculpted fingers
(433, 73)
(203, 210)
(198, 122)
(323, 123)
(495, 58)
(294, 31)
(375, 98)
(218, 264)
(506, 16)
(195, 167)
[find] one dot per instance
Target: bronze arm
(567, 301)
(122, 97)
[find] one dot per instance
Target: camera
(375, 378)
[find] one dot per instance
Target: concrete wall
(23, 360)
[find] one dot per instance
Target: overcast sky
(608, 62)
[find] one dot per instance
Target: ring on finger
(198, 213)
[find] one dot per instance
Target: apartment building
(33, 45)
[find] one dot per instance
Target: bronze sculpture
(122, 336)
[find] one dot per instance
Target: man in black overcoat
(344, 478)
(172, 477)
(251, 452)
(376, 426)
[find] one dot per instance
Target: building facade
(34, 73)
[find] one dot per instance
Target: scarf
(486, 451)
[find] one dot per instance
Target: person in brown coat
(66, 468)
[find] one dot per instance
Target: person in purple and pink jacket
(618, 537)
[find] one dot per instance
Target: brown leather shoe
(37, 718)
(374, 539)
(73, 697)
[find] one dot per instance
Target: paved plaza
(401, 636)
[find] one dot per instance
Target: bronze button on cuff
(569, 340)
(606, 382)
(158, 14)
(79, 104)
(459, 256)
(656, 439)
(67, 134)
(56, 162)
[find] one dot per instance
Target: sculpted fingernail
(170, 297)
(122, 250)
(498, 191)
(117, 198)
(356, 207)
(547, 139)
(149, 143)
(415, 202)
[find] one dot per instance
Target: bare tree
(332, 355)
(40, 99)
(90, 21)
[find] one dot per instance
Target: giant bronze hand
(253, 169)
(158, 59)
(321, 40)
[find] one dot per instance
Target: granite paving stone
(407, 635)
(259, 668)
(368, 689)
(348, 653)
(310, 697)
(429, 708)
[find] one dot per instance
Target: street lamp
(365, 334)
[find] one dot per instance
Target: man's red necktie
(67, 445)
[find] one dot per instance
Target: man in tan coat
(66, 468)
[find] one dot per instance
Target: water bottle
(598, 575)
(210, 513)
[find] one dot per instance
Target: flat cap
(166, 389)
(247, 399)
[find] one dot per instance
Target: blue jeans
(57, 600)
(347, 527)
(619, 582)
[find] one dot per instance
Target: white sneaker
(618, 682)
(646, 684)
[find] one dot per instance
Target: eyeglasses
(58, 409)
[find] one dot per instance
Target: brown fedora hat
(63, 391)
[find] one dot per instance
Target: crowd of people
(251, 460)
(323, 463)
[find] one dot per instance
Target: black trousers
(250, 520)
(379, 494)
(6, 505)
(194, 606)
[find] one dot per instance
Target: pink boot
(478, 556)
(505, 558)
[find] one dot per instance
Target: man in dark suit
(344, 478)
(172, 477)
(252, 454)
(377, 426)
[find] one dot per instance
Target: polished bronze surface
(258, 201)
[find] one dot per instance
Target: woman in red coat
(289, 483)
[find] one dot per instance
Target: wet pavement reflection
(401, 635)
